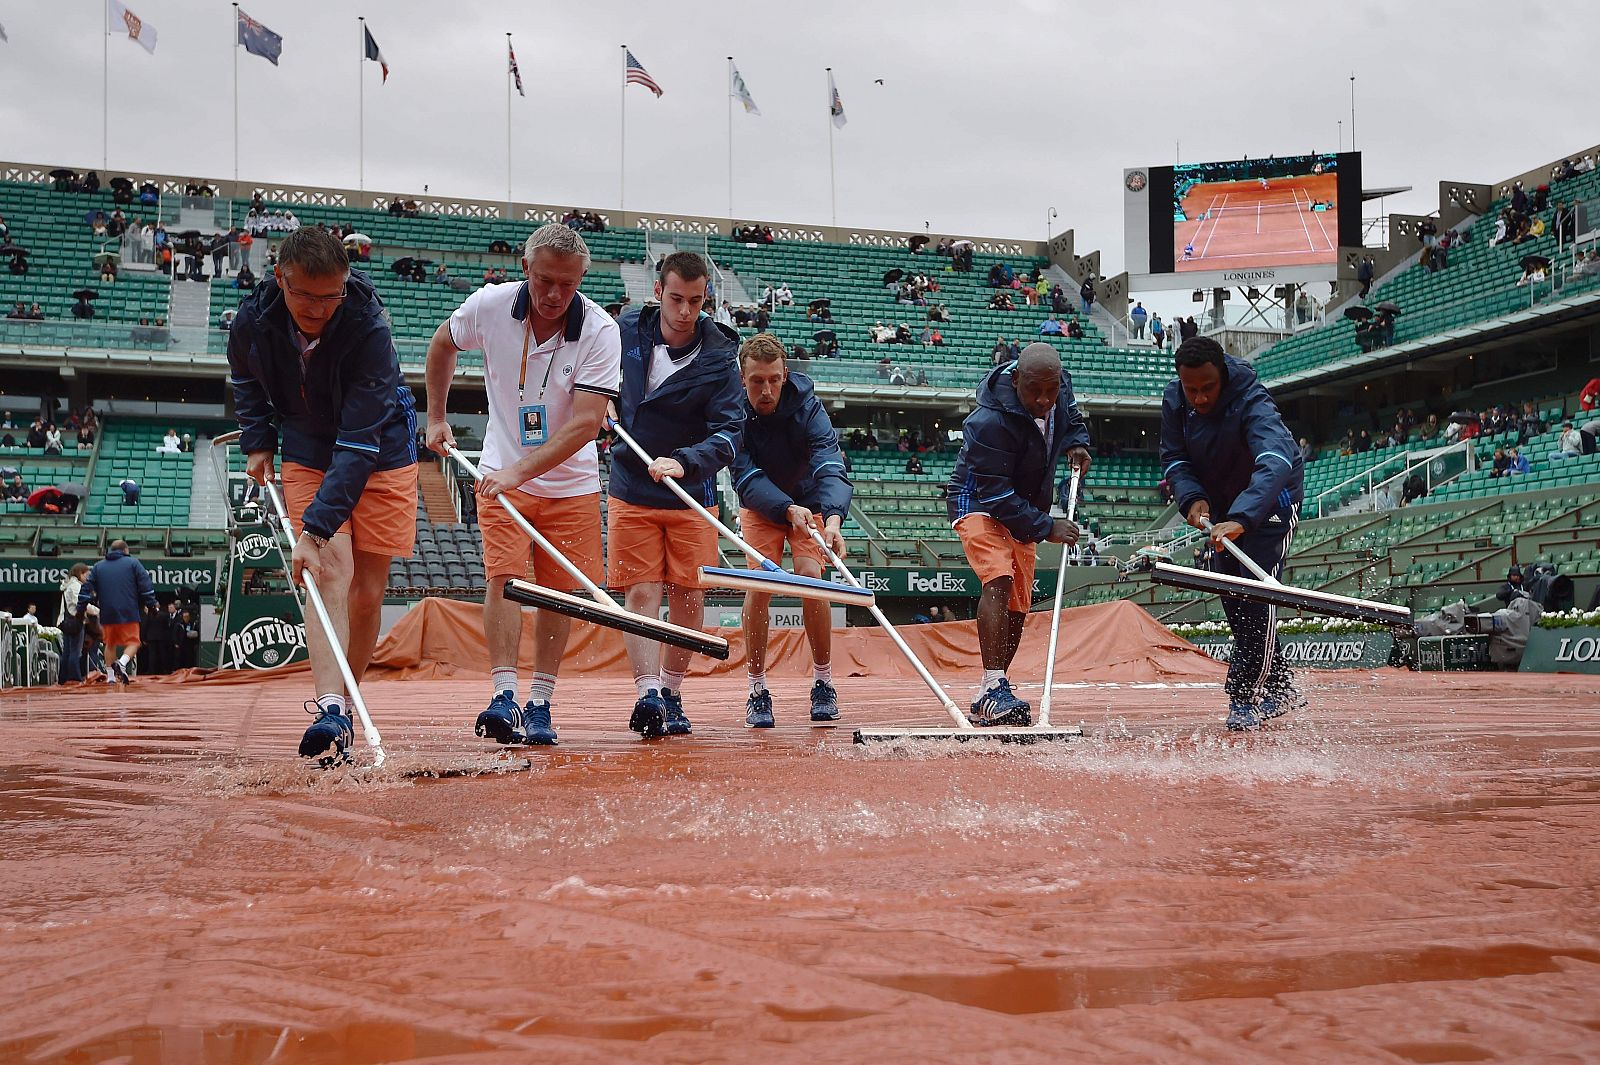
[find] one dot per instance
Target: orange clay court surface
(1406, 871)
(1286, 232)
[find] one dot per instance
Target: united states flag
(638, 75)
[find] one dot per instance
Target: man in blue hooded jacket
(790, 477)
(121, 587)
(315, 375)
(681, 400)
(999, 502)
(1231, 461)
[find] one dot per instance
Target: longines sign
(1574, 650)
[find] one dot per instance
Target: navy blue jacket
(348, 412)
(696, 416)
(120, 585)
(1005, 468)
(791, 456)
(1240, 458)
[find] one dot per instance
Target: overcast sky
(989, 113)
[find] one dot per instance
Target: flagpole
(833, 185)
(509, 53)
(236, 95)
(105, 92)
(622, 154)
(361, 108)
(730, 143)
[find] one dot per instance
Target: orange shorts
(571, 524)
(385, 518)
(993, 553)
(120, 635)
(650, 545)
(769, 538)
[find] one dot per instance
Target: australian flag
(258, 40)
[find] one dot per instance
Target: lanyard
(522, 381)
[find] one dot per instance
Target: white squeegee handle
(1055, 613)
(922, 671)
(1243, 559)
(672, 483)
(537, 537)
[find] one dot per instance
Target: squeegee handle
(1243, 559)
(689, 500)
(1055, 612)
(916, 663)
(536, 536)
(368, 729)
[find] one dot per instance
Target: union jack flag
(638, 75)
(516, 75)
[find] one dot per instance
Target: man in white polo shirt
(552, 361)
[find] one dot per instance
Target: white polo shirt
(488, 321)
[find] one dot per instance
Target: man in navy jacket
(999, 502)
(121, 587)
(790, 476)
(1232, 461)
(315, 375)
(681, 400)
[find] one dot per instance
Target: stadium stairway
(434, 493)
(189, 313)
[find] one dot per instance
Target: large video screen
(1245, 221)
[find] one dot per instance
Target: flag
(3, 36)
(516, 75)
(638, 75)
(119, 18)
(373, 52)
(258, 40)
(835, 105)
(741, 92)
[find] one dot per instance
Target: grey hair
(558, 238)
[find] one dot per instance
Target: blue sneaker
(998, 706)
(536, 727)
(1272, 707)
(502, 721)
(1242, 716)
(649, 716)
(824, 702)
(758, 710)
(329, 737)
(677, 723)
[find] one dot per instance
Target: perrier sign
(261, 621)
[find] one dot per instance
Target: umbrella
(40, 496)
(818, 304)
(918, 241)
(187, 234)
(73, 489)
(1535, 262)
(12, 249)
(500, 246)
(891, 276)
(63, 173)
(961, 245)
(402, 265)
(825, 334)
(86, 294)
(121, 183)
(1464, 417)
(358, 238)
(1389, 307)
(1358, 313)
(101, 258)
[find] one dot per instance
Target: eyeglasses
(332, 301)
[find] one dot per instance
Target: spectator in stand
(1014, 351)
(1306, 450)
(1059, 304)
(1589, 398)
(1363, 442)
(925, 338)
(117, 224)
(1430, 428)
(1086, 294)
(130, 491)
(1001, 301)
(936, 339)
(19, 313)
(764, 319)
(1530, 424)
(1502, 227)
(784, 297)
(83, 309)
(1001, 351)
(1187, 328)
(1137, 319)
(219, 253)
(85, 437)
(1519, 199)
(1541, 198)
(36, 435)
(169, 443)
(902, 334)
(245, 279)
(1074, 328)
(1570, 445)
(52, 440)
(1587, 264)
(938, 313)
(16, 489)
(1050, 327)
(1519, 461)
(914, 466)
(1364, 274)
(1501, 464)
(5, 230)
(1158, 332)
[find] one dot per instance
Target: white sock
(123, 660)
(822, 672)
(543, 688)
(503, 679)
(671, 681)
(647, 684)
(992, 677)
(331, 702)
(758, 682)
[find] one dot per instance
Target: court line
(1214, 223)
(1325, 238)
(1206, 214)
(1310, 244)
